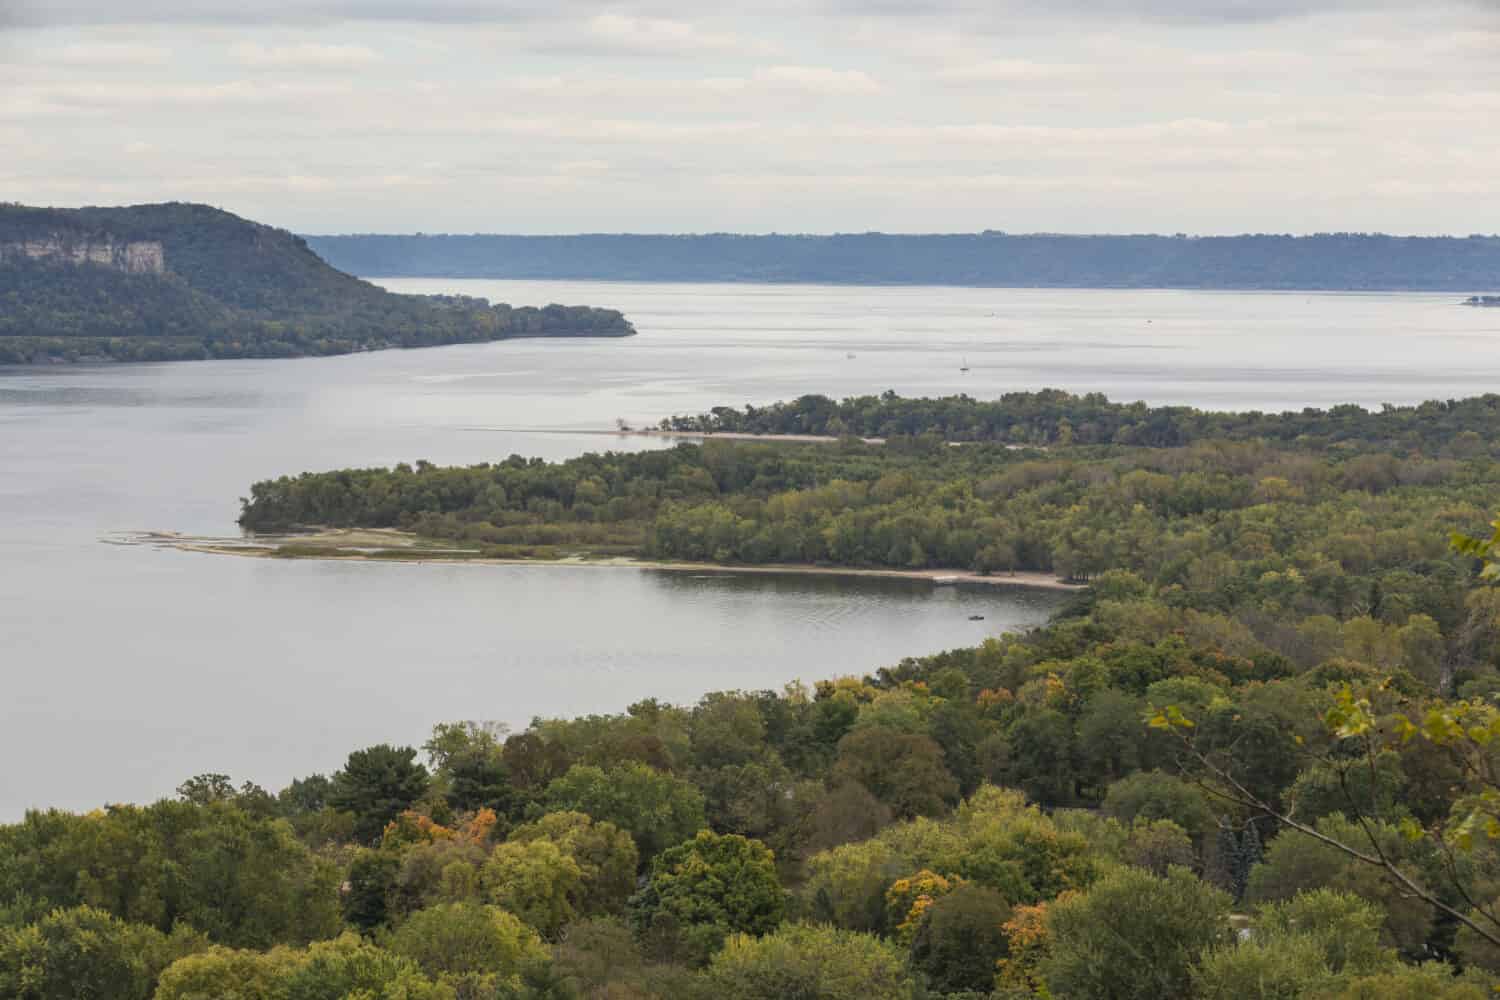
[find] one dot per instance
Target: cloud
(1007, 71)
(650, 36)
(274, 12)
(1185, 11)
(151, 96)
(647, 114)
(31, 13)
(112, 54)
(303, 56)
(818, 79)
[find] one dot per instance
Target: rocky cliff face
(136, 257)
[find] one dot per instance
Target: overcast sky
(551, 116)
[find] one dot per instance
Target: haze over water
(129, 669)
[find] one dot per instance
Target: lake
(128, 669)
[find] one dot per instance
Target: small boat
(976, 618)
(944, 581)
(850, 355)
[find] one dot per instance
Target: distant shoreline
(742, 436)
(390, 545)
(1332, 262)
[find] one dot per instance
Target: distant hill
(1342, 262)
(182, 281)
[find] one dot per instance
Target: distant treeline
(1052, 417)
(227, 288)
(1342, 261)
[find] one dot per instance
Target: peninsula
(186, 282)
(1052, 484)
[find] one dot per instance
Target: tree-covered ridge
(230, 288)
(1331, 261)
(1054, 417)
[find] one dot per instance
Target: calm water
(128, 669)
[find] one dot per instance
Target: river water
(127, 669)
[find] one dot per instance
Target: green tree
(376, 785)
(536, 881)
(372, 878)
(1133, 936)
(467, 939)
(227, 974)
(960, 940)
(86, 953)
(350, 967)
(1307, 945)
(240, 878)
(903, 770)
(657, 809)
(603, 958)
(606, 857)
(345, 968)
(1297, 863)
(819, 963)
(846, 885)
(1433, 981)
(1152, 795)
(707, 888)
(1377, 790)
(1157, 845)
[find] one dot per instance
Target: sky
(562, 116)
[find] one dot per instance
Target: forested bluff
(188, 282)
(1255, 758)
(1325, 261)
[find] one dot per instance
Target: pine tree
(1219, 863)
(1246, 857)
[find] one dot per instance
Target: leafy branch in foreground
(1364, 728)
(1486, 549)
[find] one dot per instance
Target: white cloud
(652, 36)
(818, 79)
(107, 96)
(1007, 71)
(305, 55)
(278, 12)
(113, 54)
(301, 183)
(657, 115)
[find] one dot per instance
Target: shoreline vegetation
(1046, 482)
(391, 545)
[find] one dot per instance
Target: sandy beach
(391, 545)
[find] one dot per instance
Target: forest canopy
(1274, 709)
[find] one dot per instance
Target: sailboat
(965, 366)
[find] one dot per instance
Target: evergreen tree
(1247, 855)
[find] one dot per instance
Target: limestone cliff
(132, 257)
